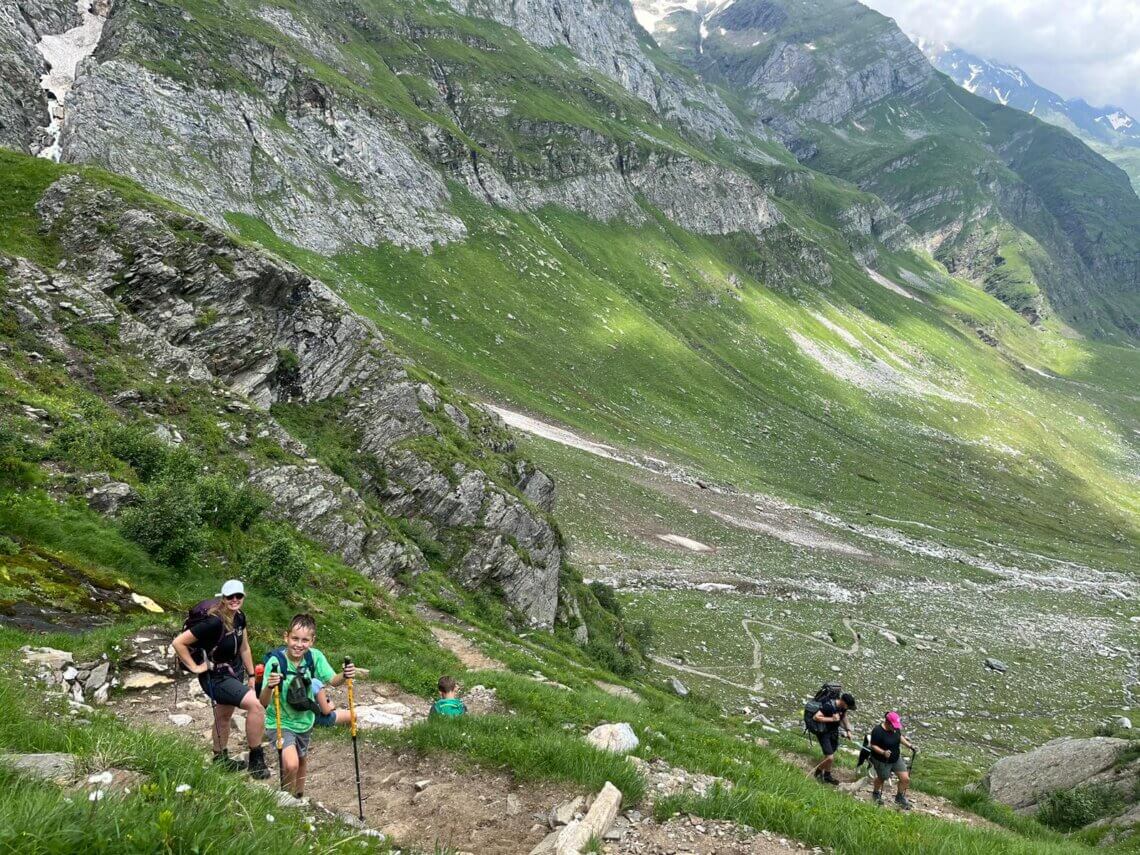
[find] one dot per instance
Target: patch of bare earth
(420, 801)
(472, 657)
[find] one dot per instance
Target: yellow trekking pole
(355, 752)
(280, 739)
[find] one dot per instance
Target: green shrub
(167, 523)
(1068, 810)
(288, 363)
(226, 506)
(80, 443)
(606, 597)
(8, 546)
(279, 567)
(137, 445)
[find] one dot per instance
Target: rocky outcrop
(23, 107)
(303, 149)
(1024, 780)
(257, 332)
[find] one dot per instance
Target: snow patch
(796, 537)
(1119, 120)
(1002, 99)
(557, 434)
(685, 542)
(889, 285)
(62, 54)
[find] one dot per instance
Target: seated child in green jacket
(293, 669)
(448, 704)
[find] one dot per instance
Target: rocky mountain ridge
(252, 332)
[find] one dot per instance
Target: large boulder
(1024, 780)
(618, 738)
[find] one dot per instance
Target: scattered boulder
(618, 738)
(1123, 722)
(110, 498)
(48, 657)
(181, 719)
(573, 838)
(50, 767)
(996, 665)
(679, 688)
(385, 716)
(618, 691)
(565, 813)
(144, 680)
(1023, 780)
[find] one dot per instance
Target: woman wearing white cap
(215, 647)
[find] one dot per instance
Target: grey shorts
(300, 741)
(883, 768)
(225, 689)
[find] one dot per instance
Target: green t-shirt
(298, 721)
(449, 707)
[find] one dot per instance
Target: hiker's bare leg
(879, 784)
(298, 785)
(343, 717)
(904, 782)
(290, 762)
(223, 713)
(254, 718)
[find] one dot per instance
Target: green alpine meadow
(557, 427)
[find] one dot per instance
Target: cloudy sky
(1078, 48)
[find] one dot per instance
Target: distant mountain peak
(1011, 86)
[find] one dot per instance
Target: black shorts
(828, 741)
(225, 689)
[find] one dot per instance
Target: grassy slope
(384, 636)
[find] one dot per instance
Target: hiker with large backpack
(287, 693)
(214, 645)
(824, 716)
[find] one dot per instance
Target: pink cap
(894, 721)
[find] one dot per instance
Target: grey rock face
(258, 309)
(325, 508)
(996, 665)
(23, 105)
(603, 34)
(303, 159)
(1023, 780)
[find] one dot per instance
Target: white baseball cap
(231, 587)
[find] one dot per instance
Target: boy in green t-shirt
(300, 710)
(448, 705)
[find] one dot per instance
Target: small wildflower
(182, 788)
(270, 818)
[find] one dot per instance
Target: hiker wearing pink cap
(886, 757)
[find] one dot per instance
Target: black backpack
(827, 692)
(299, 695)
(198, 613)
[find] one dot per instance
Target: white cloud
(1078, 48)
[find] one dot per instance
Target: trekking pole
(280, 738)
(352, 729)
(213, 704)
(913, 754)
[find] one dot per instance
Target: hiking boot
(257, 767)
(827, 779)
(877, 798)
(230, 764)
(902, 802)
